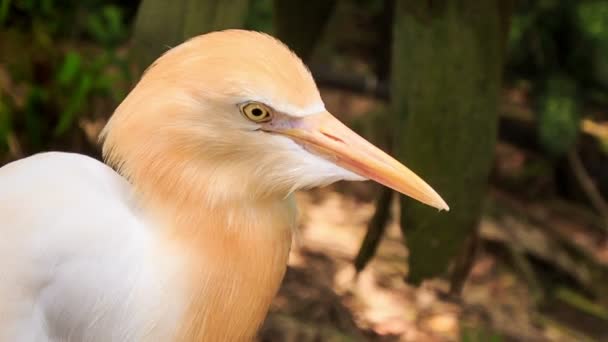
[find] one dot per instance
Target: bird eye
(256, 112)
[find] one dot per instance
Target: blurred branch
(563, 329)
(574, 299)
(517, 251)
(14, 147)
(358, 84)
(588, 185)
(534, 233)
(463, 263)
(375, 229)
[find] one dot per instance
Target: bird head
(237, 113)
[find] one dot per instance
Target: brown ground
(322, 299)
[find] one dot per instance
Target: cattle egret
(186, 237)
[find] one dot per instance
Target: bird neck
(235, 256)
(234, 245)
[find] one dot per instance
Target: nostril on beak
(332, 137)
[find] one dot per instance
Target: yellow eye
(256, 112)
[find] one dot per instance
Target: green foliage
(559, 119)
(80, 82)
(4, 6)
(34, 106)
(592, 22)
(260, 16)
(107, 26)
(565, 38)
(558, 36)
(533, 40)
(61, 57)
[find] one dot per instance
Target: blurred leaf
(46, 6)
(260, 16)
(74, 105)
(100, 62)
(67, 55)
(592, 19)
(113, 17)
(43, 31)
(559, 116)
(69, 68)
(107, 26)
(520, 24)
(548, 4)
(4, 10)
(26, 5)
(34, 114)
(592, 22)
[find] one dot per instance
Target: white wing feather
(77, 262)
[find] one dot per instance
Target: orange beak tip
(444, 206)
(435, 201)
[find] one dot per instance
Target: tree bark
(446, 76)
(300, 23)
(161, 25)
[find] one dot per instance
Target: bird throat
(235, 255)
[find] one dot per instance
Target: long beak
(327, 136)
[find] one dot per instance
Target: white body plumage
(78, 262)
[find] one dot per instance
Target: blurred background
(502, 106)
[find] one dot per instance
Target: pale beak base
(328, 137)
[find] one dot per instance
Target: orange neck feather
(236, 254)
(234, 272)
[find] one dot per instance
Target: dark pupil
(257, 112)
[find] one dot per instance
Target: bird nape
(187, 238)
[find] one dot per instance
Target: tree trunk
(161, 24)
(300, 23)
(446, 76)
